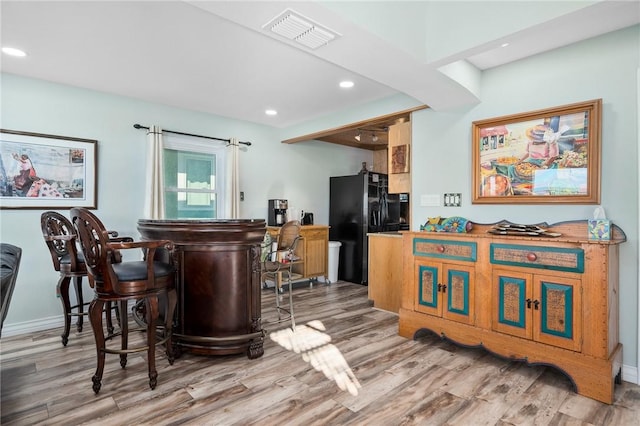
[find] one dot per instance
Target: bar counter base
(218, 283)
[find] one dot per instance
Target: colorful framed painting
(538, 157)
(39, 171)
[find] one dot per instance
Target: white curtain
(233, 181)
(154, 188)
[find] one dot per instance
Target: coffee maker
(277, 212)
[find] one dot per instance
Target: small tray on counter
(521, 230)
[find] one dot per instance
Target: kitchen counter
(313, 249)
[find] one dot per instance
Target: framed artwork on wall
(539, 157)
(39, 171)
(400, 159)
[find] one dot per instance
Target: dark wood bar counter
(218, 284)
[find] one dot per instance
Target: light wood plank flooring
(425, 381)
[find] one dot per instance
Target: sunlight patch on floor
(314, 345)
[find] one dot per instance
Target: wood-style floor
(426, 381)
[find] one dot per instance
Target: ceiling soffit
(346, 135)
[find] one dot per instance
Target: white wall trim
(629, 374)
(638, 178)
(40, 324)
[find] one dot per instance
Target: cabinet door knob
(531, 257)
(528, 303)
(441, 248)
(536, 303)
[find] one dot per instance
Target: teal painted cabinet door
(538, 307)
(445, 290)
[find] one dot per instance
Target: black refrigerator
(359, 205)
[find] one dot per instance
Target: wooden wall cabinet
(541, 300)
(313, 249)
(380, 161)
(399, 134)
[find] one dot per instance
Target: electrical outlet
(452, 199)
(241, 195)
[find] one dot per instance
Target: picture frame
(546, 156)
(40, 171)
(400, 159)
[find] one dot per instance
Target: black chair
(10, 256)
(148, 280)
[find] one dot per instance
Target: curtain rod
(139, 126)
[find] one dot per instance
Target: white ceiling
(215, 57)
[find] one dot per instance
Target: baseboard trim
(630, 374)
(27, 327)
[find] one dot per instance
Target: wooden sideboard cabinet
(539, 299)
(313, 249)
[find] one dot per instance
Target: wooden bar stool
(61, 240)
(277, 266)
(148, 280)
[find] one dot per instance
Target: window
(193, 178)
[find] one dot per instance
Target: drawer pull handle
(531, 257)
(441, 249)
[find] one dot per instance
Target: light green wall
(605, 67)
(269, 169)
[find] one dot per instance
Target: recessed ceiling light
(12, 51)
(504, 44)
(346, 84)
(271, 112)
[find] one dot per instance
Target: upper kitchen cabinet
(399, 155)
(380, 161)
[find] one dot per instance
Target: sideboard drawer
(443, 249)
(553, 258)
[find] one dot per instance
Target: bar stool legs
(289, 310)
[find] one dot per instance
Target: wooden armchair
(147, 280)
(61, 240)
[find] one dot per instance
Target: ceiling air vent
(296, 27)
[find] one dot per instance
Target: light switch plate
(452, 199)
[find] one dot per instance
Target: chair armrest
(283, 260)
(149, 250)
(60, 237)
(120, 240)
(114, 236)
(152, 244)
